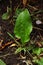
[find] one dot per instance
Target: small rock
(38, 22)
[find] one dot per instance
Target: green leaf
(17, 12)
(5, 16)
(23, 26)
(40, 61)
(42, 49)
(2, 63)
(37, 51)
(19, 50)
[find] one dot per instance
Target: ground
(6, 50)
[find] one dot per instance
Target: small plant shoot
(6, 15)
(23, 26)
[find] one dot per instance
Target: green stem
(13, 38)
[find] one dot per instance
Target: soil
(7, 52)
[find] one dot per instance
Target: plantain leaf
(40, 61)
(23, 26)
(2, 63)
(37, 51)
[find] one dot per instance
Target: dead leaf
(6, 44)
(28, 62)
(38, 44)
(1, 42)
(41, 54)
(13, 45)
(24, 2)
